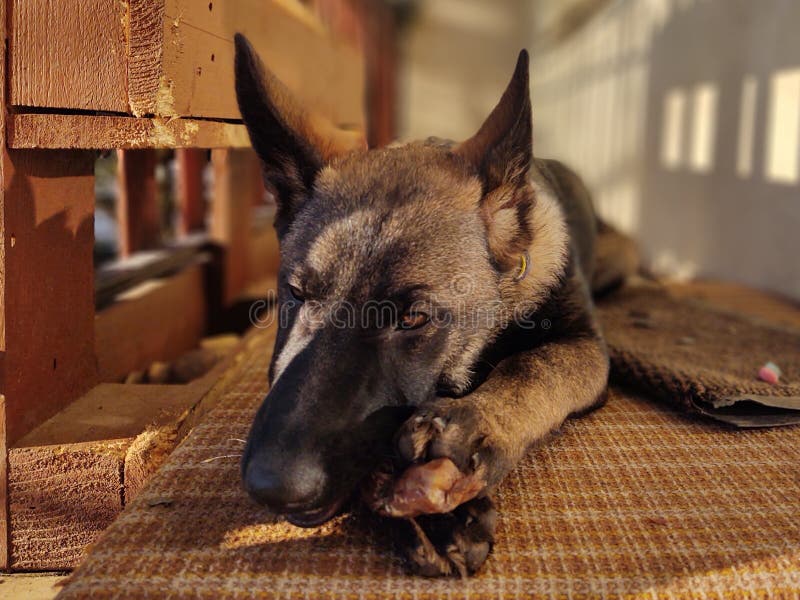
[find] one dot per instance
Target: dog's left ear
(502, 153)
(292, 143)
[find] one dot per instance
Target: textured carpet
(637, 500)
(701, 359)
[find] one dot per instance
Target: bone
(434, 487)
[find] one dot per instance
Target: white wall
(683, 116)
(458, 58)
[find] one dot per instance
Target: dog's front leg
(485, 434)
(525, 398)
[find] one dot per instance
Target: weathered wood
(235, 191)
(173, 57)
(158, 320)
(195, 75)
(61, 498)
(146, 52)
(112, 411)
(5, 551)
(264, 253)
(191, 164)
(4, 524)
(74, 473)
(34, 130)
(115, 278)
(138, 216)
(145, 455)
(48, 214)
(68, 54)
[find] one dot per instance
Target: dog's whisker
(237, 440)
(213, 458)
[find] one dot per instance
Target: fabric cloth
(636, 500)
(701, 359)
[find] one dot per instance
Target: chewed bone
(437, 486)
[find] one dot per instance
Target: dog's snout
(284, 487)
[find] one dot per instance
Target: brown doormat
(702, 359)
(635, 500)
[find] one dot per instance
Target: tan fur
(548, 252)
(449, 223)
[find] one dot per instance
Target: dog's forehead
(390, 215)
(397, 175)
(369, 250)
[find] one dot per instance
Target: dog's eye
(413, 320)
(296, 293)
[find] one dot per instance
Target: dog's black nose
(286, 487)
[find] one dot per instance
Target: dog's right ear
(501, 153)
(293, 145)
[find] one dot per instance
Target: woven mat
(636, 500)
(703, 360)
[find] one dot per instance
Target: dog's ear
(501, 152)
(293, 144)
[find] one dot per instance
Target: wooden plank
(145, 455)
(34, 130)
(191, 163)
(112, 411)
(138, 212)
(146, 50)
(174, 58)
(114, 278)
(195, 77)
(61, 499)
(264, 253)
(77, 470)
(48, 214)
(5, 551)
(158, 320)
(235, 190)
(68, 54)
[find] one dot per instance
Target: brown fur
(446, 228)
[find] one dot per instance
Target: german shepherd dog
(481, 261)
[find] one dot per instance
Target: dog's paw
(451, 429)
(455, 543)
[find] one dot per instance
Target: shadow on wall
(684, 116)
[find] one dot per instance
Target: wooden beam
(195, 74)
(191, 165)
(47, 309)
(235, 190)
(158, 320)
(138, 216)
(264, 256)
(34, 130)
(48, 312)
(68, 54)
(5, 530)
(73, 474)
(61, 498)
(173, 58)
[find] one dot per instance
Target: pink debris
(770, 373)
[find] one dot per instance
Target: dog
(471, 269)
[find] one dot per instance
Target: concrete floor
(31, 586)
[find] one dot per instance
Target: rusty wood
(137, 205)
(191, 165)
(33, 130)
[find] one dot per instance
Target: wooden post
(137, 205)
(48, 309)
(191, 163)
(47, 314)
(5, 529)
(235, 190)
